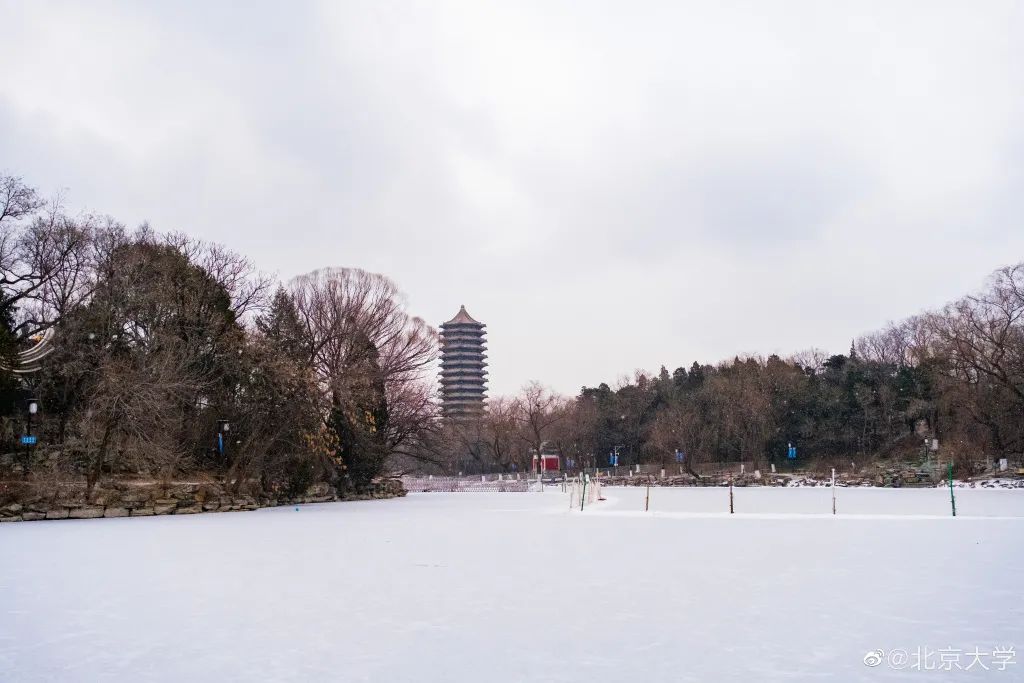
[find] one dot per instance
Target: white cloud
(607, 186)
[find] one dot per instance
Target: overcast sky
(609, 186)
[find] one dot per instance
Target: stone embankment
(146, 499)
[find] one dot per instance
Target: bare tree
(810, 359)
(680, 427)
(370, 358)
(984, 334)
(17, 200)
(129, 413)
(981, 339)
(234, 274)
(537, 411)
(45, 258)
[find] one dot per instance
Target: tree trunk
(96, 468)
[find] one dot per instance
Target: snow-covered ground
(516, 587)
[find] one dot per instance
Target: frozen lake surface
(516, 587)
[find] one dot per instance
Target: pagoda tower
(463, 383)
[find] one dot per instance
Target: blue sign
(613, 460)
(28, 440)
(680, 456)
(791, 453)
(220, 443)
(570, 463)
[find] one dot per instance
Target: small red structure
(548, 463)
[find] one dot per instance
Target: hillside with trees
(955, 375)
(170, 358)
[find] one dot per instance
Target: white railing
(479, 484)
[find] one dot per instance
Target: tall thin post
(583, 496)
(647, 499)
(731, 511)
(952, 498)
(833, 490)
(28, 453)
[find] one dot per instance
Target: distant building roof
(462, 318)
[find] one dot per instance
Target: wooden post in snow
(731, 511)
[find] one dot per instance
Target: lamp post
(33, 408)
(223, 427)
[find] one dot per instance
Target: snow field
(516, 587)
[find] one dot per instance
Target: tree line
(955, 375)
(166, 356)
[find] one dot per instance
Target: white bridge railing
(479, 484)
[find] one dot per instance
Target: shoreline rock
(125, 499)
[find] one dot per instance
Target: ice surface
(516, 587)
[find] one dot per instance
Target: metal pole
(647, 500)
(731, 511)
(583, 497)
(833, 490)
(28, 457)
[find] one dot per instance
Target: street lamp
(28, 439)
(223, 427)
